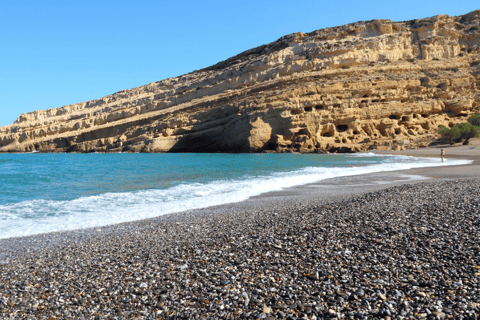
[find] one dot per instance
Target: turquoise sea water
(49, 192)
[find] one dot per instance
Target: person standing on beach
(442, 154)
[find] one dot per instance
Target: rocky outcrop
(367, 85)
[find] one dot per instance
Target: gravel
(409, 251)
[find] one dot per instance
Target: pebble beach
(408, 250)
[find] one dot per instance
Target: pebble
(408, 251)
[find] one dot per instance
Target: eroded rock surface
(367, 85)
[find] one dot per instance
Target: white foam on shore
(42, 216)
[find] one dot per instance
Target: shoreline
(331, 189)
(339, 187)
(469, 152)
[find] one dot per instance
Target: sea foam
(42, 216)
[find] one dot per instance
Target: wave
(43, 216)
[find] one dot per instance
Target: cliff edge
(367, 85)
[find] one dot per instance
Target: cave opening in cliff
(308, 109)
(425, 126)
(271, 146)
(405, 118)
(342, 128)
(355, 132)
(398, 131)
(327, 134)
(394, 117)
(318, 108)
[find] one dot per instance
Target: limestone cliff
(367, 85)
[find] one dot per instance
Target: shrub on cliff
(474, 120)
(452, 134)
(463, 130)
(468, 131)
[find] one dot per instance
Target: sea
(41, 193)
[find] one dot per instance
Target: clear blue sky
(55, 53)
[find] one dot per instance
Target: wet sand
(334, 189)
(469, 152)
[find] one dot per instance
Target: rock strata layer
(367, 85)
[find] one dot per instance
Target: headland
(368, 85)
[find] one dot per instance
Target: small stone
(279, 306)
(267, 310)
(439, 315)
(360, 292)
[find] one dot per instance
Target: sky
(55, 53)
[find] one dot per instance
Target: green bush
(452, 134)
(426, 21)
(181, 91)
(476, 63)
(462, 131)
(473, 28)
(468, 131)
(474, 120)
(458, 26)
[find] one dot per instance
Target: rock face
(367, 85)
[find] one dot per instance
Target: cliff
(367, 85)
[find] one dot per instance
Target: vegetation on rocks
(463, 130)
